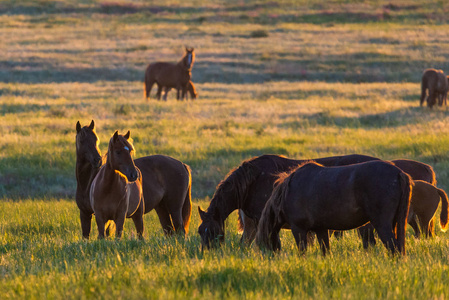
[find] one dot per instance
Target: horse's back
(162, 73)
(163, 177)
(417, 170)
(425, 198)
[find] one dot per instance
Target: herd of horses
(321, 196)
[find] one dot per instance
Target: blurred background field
(303, 79)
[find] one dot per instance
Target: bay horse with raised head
(88, 163)
(166, 184)
(170, 75)
(249, 186)
(116, 191)
(317, 198)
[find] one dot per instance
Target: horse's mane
(272, 211)
(236, 183)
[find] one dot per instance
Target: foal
(116, 191)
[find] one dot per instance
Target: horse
(88, 163)
(438, 85)
(190, 89)
(116, 192)
(166, 184)
(249, 186)
(170, 75)
(317, 198)
(424, 203)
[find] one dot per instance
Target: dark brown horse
(436, 82)
(170, 75)
(317, 198)
(190, 89)
(425, 200)
(88, 163)
(166, 184)
(249, 186)
(116, 191)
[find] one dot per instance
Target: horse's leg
(166, 93)
(176, 217)
(429, 228)
(100, 226)
(323, 240)
(366, 232)
(385, 233)
(86, 221)
(119, 222)
(249, 230)
(164, 219)
(300, 236)
(148, 88)
(431, 100)
(137, 218)
(415, 226)
(423, 94)
(159, 91)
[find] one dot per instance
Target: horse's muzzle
(133, 175)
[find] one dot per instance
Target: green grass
(325, 78)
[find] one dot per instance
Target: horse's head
(188, 58)
(120, 152)
(210, 230)
(87, 144)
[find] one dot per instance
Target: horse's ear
(187, 49)
(191, 49)
(115, 136)
(126, 136)
(92, 125)
(202, 213)
(78, 127)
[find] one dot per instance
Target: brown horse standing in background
(438, 85)
(170, 75)
(166, 184)
(116, 191)
(88, 163)
(317, 198)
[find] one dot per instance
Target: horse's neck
(85, 174)
(221, 208)
(181, 65)
(113, 179)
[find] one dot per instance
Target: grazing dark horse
(170, 75)
(436, 82)
(190, 89)
(166, 184)
(317, 198)
(116, 191)
(88, 163)
(249, 186)
(424, 203)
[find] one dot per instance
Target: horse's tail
(444, 209)
(402, 212)
(147, 84)
(187, 206)
(265, 238)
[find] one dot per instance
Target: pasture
(304, 79)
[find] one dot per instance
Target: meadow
(301, 78)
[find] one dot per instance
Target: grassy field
(299, 78)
